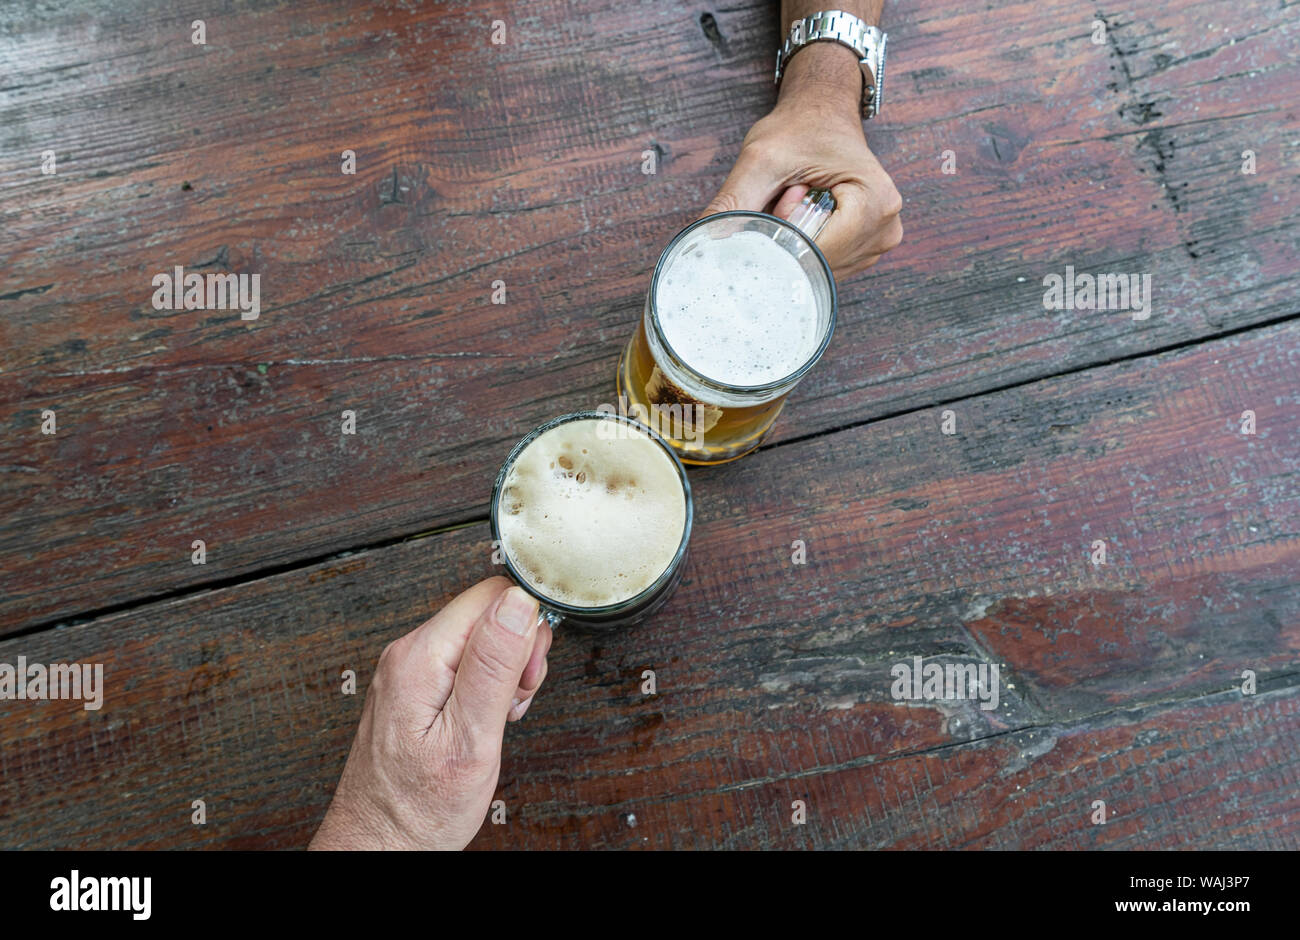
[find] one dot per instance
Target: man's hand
(424, 763)
(813, 139)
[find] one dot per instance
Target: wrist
(824, 73)
(351, 827)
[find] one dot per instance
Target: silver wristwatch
(867, 42)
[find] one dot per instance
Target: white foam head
(588, 518)
(739, 310)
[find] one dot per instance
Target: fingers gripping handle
(812, 214)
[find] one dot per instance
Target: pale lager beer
(740, 307)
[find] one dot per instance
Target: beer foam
(738, 310)
(590, 521)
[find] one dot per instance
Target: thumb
(496, 654)
(751, 184)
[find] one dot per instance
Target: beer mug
(740, 307)
(591, 514)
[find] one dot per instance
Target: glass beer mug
(591, 513)
(740, 307)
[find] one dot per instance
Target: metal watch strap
(867, 42)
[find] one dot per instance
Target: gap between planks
(270, 571)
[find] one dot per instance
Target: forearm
(827, 71)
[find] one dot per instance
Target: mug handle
(812, 214)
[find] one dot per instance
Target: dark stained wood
(1119, 682)
(1213, 773)
(522, 163)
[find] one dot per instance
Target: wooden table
(521, 163)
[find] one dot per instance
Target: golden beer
(740, 307)
(700, 432)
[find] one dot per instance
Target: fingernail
(516, 611)
(517, 710)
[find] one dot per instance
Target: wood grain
(521, 163)
(1214, 773)
(1118, 682)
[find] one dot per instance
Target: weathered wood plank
(773, 678)
(1216, 773)
(522, 163)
